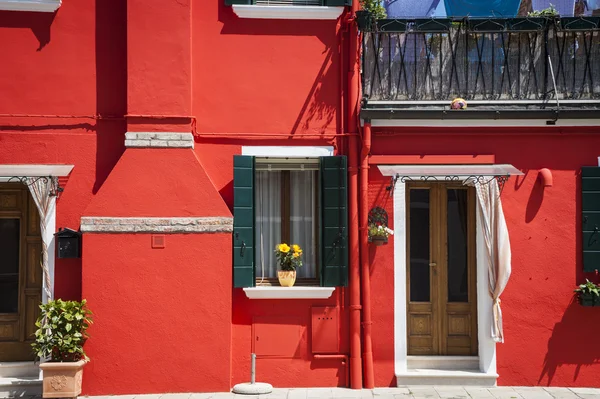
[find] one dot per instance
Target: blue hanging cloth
(482, 8)
(414, 9)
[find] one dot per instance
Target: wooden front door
(20, 272)
(441, 281)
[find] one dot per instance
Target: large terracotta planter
(62, 379)
(286, 278)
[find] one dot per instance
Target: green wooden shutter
(231, 2)
(590, 222)
(334, 221)
(243, 221)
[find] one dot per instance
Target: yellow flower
(296, 254)
(297, 248)
(283, 248)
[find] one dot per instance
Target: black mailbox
(69, 243)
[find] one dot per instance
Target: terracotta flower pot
(286, 278)
(379, 240)
(62, 379)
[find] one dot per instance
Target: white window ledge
(287, 12)
(289, 292)
(30, 5)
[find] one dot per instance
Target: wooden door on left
(20, 272)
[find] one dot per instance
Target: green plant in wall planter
(378, 234)
(59, 341)
(372, 10)
(588, 294)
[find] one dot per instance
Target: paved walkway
(416, 392)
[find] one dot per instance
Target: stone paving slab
(408, 392)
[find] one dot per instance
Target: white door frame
(487, 346)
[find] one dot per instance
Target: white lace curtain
(302, 221)
(42, 190)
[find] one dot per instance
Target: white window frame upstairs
(30, 5)
(258, 11)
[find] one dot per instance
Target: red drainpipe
(356, 381)
(369, 379)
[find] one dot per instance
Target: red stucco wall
(69, 64)
(163, 315)
(241, 79)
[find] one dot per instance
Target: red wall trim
(431, 159)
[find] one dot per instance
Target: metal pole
(253, 369)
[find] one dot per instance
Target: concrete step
(20, 387)
(443, 362)
(446, 377)
(19, 369)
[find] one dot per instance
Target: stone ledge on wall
(156, 225)
(158, 140)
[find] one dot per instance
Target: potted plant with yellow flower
(289, 259)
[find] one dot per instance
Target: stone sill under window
(289, 292)
(287, 12)
(30, 5)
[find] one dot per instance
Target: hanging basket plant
(378, 228)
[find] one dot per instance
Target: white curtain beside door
(497, 245)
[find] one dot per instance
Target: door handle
(434, 266)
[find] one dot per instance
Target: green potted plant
(372, 10)
(589, 294)
(535, 20)
(59, 340)
(289, 258)
(378, 234)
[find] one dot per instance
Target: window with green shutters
(590, 222)
(316, 191)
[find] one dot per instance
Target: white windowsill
(30, 5)
(287, 12)
(289, 292)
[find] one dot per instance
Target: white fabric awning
(29, 170)
(460, 171)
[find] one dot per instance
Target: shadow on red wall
(38, 22)
(111, 85)
(572, 341)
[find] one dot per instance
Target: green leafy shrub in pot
(61, 331)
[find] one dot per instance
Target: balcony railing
(513, 61)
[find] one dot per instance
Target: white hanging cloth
(42, 190)
(497, 247)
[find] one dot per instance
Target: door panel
(19, 306)
(441, 292)
(421, 325)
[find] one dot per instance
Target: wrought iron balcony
(518, 63)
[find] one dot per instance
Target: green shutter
(334, 221)
(243, 221)
(338, 2)
(231, 2)
(590, 222)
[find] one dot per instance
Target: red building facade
(150, 102)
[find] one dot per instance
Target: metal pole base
(257, 388)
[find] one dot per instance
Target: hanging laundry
(482, 8)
